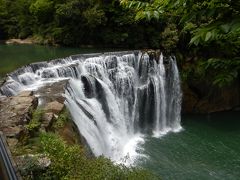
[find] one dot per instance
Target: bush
(71, 162)
(62, 119)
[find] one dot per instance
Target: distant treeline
(77, 22)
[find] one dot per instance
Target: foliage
(29, 166)
(223, 65)
(62, 119)
(75, 23)
(42, 10)
(70, 162)
(208, 29)
(35, 122)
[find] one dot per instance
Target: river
(207, 148)
(13, 56)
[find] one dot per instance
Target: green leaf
(156, 15)
(195, 40)
(130, 4)
(148, 15)
(208, 36)
(225, 28)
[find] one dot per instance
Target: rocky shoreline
(20, 41)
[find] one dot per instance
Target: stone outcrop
(53, 107)
(15, 113)
(51, 100)
(51, 92)
(32, 162)
(200, 98)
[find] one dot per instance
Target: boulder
(20, 41)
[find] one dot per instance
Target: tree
(209, 29)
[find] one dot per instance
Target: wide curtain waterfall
(114, 98)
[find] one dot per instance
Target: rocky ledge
(16, 112)
(200, 98)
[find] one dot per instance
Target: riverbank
(37, 40)
(21, 41)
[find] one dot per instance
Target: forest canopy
(76, 22)
(207, 31)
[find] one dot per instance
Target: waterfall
(114, 98)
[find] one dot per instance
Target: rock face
(51, 92)
(199, 98)
(14, 112)
(51, 100)
(54, 107)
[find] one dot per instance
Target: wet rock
(51, 92)
(190, 99)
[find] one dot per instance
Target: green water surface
(207, 148)
(14, 56)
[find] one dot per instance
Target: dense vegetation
(207, 34)
(71, 162)
(75, 23)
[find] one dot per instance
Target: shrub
(35, 122)
(71, 162)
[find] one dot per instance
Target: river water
(14, 56)
(208, 147)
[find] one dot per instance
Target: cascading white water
(114, 99)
